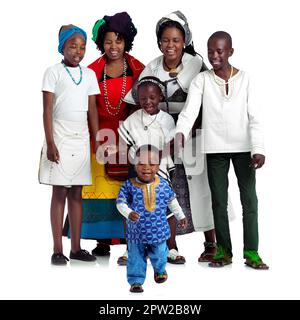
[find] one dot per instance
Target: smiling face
(172, 44)
(74, 50)
(219, 50)
(149, 98)
(147, 166)
(114, 46)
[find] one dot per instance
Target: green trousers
(218, 166)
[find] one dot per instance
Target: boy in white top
(231, 130)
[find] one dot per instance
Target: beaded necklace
(69, 73)
(113, 111)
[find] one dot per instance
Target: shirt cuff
(257, 150)
(176, 209)
(124, 209)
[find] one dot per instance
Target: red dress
(114, 87)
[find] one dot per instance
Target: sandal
(220, 259)
(253, 260)
(160, 277)
(209, 252)
(175, 258)
(136, 288)
(122, 261)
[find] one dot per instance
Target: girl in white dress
(68, 98)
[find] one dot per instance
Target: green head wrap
(96, 27)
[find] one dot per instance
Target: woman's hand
(179, 141)
(110, 150)
(183, 223)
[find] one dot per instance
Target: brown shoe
(210, 249)
(175, 258)
(136, 288)
(160, 277)
(122, 261)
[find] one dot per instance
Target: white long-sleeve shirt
(230, 122)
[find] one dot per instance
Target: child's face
(172, 44)
(218, 51)
(113, 46)
(149, 98)
(147, 166)
(74, 50)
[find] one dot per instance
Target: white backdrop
(265, 38)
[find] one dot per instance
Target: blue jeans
(137, 260)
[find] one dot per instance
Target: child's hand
(257, 161)
(52, 153)
(110, 150)
(183, 223)
(133, 216)
(105, 151)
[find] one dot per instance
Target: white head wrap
(179, 17)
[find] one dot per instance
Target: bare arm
(52, 152)
(190, 111)
(93, 119)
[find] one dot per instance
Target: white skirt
(73, 144)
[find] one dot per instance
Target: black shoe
(82, 255)
(136, 288)
(102, 249)
(59, 259)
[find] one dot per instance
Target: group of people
(180, 123)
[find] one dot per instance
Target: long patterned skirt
(101, 219)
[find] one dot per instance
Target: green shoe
(220, 259)
(253, 260)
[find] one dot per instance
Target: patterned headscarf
(179, 17)
(67, 34)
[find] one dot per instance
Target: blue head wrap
(67, 34)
